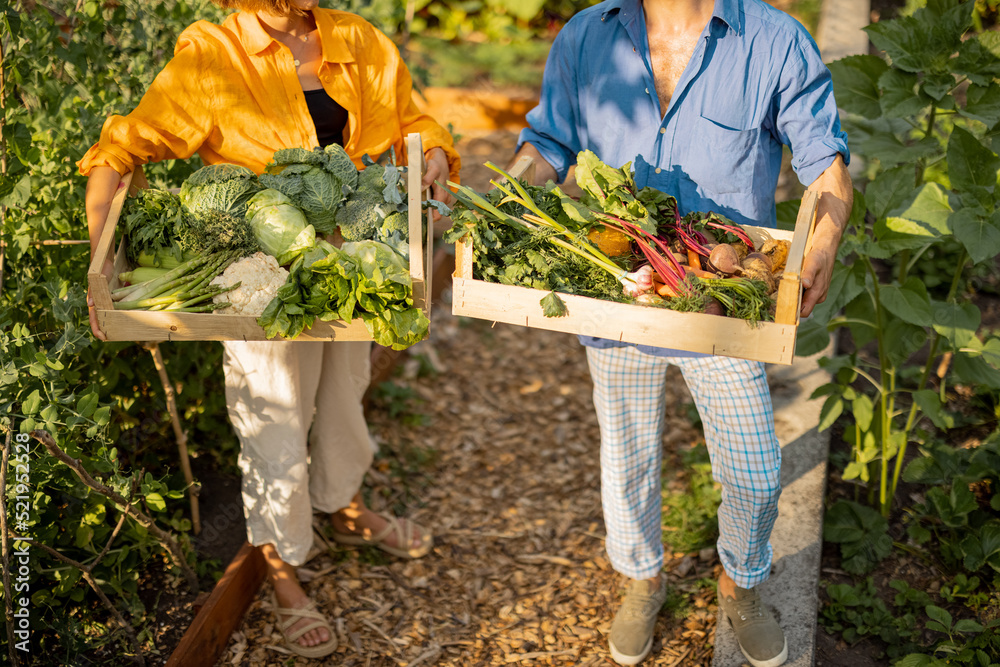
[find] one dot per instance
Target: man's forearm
(544, 172)
(836, 200)
(833, 211)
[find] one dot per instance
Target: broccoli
(361, 216)
(395, 222)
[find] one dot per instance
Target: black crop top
(329, 117)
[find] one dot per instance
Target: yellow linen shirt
(231, 94)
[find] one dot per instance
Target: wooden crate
(771, 342)
(139, 325)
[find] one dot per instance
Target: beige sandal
(294, 616)
(403, 529)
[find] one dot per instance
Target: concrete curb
(792, 592)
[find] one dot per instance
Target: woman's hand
(102, 185)
(436, 174)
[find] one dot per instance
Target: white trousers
(276, 391)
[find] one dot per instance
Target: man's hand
(436, 174)
(833, 211)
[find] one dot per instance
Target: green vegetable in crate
(219, 187)
(151, 221)
(376, 209)
(280, 227)
(315, 181)
(185, 288)
(210, 231)
(366, 280)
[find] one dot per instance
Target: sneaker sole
(623, 659)
(772, 662)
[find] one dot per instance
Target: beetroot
(725, 259)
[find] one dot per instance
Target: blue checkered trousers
(734, 403)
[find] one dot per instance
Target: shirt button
(658, 170)
(647, 91)
(663, 130)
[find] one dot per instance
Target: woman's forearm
(101, 187)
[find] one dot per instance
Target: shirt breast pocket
(722, 150)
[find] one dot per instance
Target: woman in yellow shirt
(283, 74)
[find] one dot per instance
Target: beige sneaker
(758, 633)
(631, 637)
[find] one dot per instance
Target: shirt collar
(257, 40)
(729, 12)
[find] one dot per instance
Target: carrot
(694, 261)
(701, 274)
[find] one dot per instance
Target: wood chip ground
(498, 453)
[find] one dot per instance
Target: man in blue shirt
(700, 95)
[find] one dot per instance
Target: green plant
(863, 535)
(924, 118)
(857, 612)
(689, 508)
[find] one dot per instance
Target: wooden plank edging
(207, 637)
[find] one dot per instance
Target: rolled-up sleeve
(173, 119)
(806, 117)
(553, 126)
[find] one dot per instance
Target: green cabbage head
(280, 227)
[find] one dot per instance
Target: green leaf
(968, 625)
(811, 338)
(863, 411)
(890, 190)
(978, 231)
(982, 103)
(921, 219)
(84, 535)
(832, 409)
(31, 404)
(855, 80)
(930, 405)
(553, 306)
(956, 322)
(924, 470)
(991, 352)
(156, 502)
(971, 166)
(938, 614)
(908, 302)
(862, 533)
(888, 149)
(87, 404)
(901, 94)
(102, 415)
(979, 548)
(974, 369)
(977, 61)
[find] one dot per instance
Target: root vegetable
(611, 242)
(756, 256)
(777, 251)
(694, 260)
(725, 258)
(714, 307)
(755, 273)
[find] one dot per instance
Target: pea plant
(923, 118)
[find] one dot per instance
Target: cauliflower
(259, 276)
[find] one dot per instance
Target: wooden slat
(158, 326)
(414, 174)
(695, 332)
(98, 282)
(789, 301)
(208, 635)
